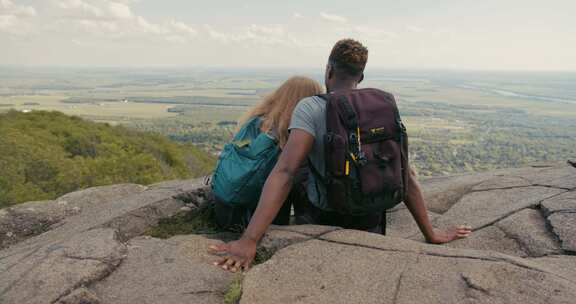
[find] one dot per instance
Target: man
(344, 71)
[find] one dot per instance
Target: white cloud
(256, 35)
(429, 31)
(415, 29)
(117, 20)
(103, 9)
(80, 9)
(119, 10)
(177, 39)
(223, 38)
(142, 25)
(374, 33)
(272, 30)
(118, 32)
(96, 26)
(183, 27)
(264, 36)
(7, 22)
(113, 19)
(15, 19)
(7, 7)
(333, 18)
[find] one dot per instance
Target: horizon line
(279, 68)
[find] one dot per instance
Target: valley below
(457, 121)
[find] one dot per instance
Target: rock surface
(33, 218)
(87, 247)
(173, 271)
(47, 273)
(561, 212)
(354, 267)
(528, 228)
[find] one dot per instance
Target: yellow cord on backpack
(353, 157)
(347, 168)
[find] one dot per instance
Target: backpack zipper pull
(361, 157)
(359, 141)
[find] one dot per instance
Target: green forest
(169, 124)
(46, 154)
(444, 138)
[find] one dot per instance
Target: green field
(457, 121)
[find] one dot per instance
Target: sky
(400, 34)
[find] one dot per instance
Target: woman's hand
(238, 254)
(450, 235)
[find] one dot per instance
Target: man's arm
(240, 253)
(415, 203)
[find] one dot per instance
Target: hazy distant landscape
(457, 121)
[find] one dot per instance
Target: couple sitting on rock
(339, 159)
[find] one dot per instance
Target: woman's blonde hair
(277, 107)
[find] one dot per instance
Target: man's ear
(329, 71)
(361, 78)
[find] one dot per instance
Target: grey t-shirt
(310, 116)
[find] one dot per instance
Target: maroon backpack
(366, 152)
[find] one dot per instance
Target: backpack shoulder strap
(350, 118)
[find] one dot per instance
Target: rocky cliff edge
(89, 247)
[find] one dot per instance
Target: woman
(274, 113)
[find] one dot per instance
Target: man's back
(344, 71)
(310, 115)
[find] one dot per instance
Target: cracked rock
(85, 247)
(490, 238)
(441, 193)
(480, 209)
(565, 202)
(80, 296)
(29, 219)
(93, 252)
(174, 271)
(528, 228)
(564, 226)
(50, 272)
(356, 267)
(564, 265)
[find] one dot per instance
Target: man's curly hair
(349, 56)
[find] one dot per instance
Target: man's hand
(238, 254)
(450, 235)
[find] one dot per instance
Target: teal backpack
(244, 166)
